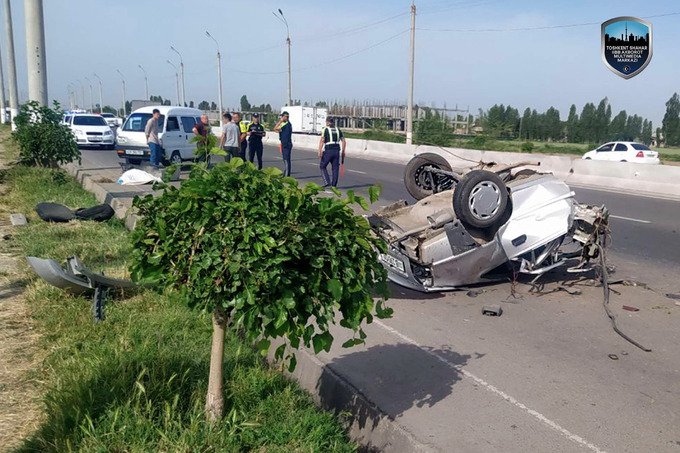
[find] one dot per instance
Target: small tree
(43, 140)
(251, 246)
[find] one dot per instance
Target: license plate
(392, 262)
(95, 139)
(135, 152)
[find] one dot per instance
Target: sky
(467, 53)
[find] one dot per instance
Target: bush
(254, 247)
(42, 139)
(479, 141)
(527, 147)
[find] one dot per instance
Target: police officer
(243, 127)
(331, 151)
(256, 133)
(285, 130)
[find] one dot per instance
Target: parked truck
(306, 120)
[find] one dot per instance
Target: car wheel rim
(175, 159)
(484, 200)
(422, 178)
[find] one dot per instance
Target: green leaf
(292, 363)
(352, 342)
(263, 346)
(374, 193)
(281, 318)
(335, 287)
(218, 152)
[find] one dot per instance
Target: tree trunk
(214, 400)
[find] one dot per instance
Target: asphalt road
(549, 374)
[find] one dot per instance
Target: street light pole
(35, 51)
(124, 97)
(282, 18)
(181, 66)
(71, 94)
(11, 66)
(409, 113)
(91, 97)
(101, 98)
(2, 94)
(82, 92)
(219, 76)
(146, 83)
(176, 80)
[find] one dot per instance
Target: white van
(174, 132)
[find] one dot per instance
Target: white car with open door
(624, 152)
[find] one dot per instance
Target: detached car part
(78, 280)
(491, 221)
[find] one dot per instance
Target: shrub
(42, 139)
(254, 247)
(479, 140)
(527, 147)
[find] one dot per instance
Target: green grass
(377, 135)
(137, 382)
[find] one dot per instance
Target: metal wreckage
(484, 223)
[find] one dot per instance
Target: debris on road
(77, 280)
(673, 296)
(18, 219)
(613, 356)
(492, 310)
(629, 308)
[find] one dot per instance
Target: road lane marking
(492, 389)
(357, 172)
(629, 219)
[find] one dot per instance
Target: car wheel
(480, 200)
(624, 161)
(588, 158)
(176, 158)
(419, 181)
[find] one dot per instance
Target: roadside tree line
(593, 125)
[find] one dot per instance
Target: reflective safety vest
(333, 135)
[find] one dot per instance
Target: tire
(588, 158)
(417, 183)
(624, 161)
(176, 158)
(480, 200)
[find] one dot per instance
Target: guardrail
(660, 181)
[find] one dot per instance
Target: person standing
(202, 129)
(151, 132)
(285, 130)
(331, 151)
(229, 141)
(255, 133)
(243, 143)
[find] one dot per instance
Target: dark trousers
(332, 157)
(286, 151)
(244, 145)
(232, 152)
(156, 157)
(255, 149)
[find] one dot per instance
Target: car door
(604, 152)
(173, 137)
(188, 123)
(620, 152)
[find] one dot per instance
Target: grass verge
(137, 382)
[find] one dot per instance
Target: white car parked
(624, 152)
(112, 120)
(92, 130)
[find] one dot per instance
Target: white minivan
(174, 132)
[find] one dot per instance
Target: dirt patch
(20, 356)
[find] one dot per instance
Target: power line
(343, 57)
(545, 27)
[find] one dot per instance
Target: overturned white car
(482, 224)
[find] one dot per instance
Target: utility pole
(181, 66)
(35, 51)
(71, 95)
(219, 75)
(82, 92)
(124, 97)
(11, 66)
(2, 94)
(101, 98)
(282, 18)
(146, 84)
(176, 80)
(91, 97)
(409, 113)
